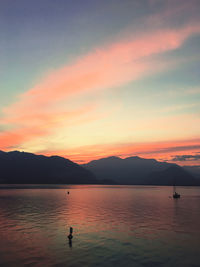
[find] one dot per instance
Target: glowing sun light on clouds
(40, 111)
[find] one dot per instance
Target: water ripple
(113, 225)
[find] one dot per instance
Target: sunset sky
(86, 79)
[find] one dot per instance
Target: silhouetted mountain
(107, 182)
(131, 170)
(172, 175)
(134, 170)
(26, 168)
(194, 170)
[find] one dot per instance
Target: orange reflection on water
(34, 223)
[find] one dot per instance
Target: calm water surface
(113, 226)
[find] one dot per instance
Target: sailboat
(175, 194)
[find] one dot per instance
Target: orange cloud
(158, 150)
(40, 124)
(107, 67)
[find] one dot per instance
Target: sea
(112, 226)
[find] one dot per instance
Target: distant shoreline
(62, 186)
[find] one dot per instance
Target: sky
(91, 79)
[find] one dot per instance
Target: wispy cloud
(192, 91)
(159, 150)
(186, 157)
(177, 92)
(31, 126)
(42, 108)
(179, 107)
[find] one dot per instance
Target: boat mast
(174, 188)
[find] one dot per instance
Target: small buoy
(70, 236)
(71, 230)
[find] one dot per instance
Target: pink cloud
(158, 150)
(110, 66)
(106, 67)
(31, 126)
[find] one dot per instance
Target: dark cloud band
(186, 157)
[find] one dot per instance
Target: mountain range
(140, 171)
(27, 168)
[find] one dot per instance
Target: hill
(27, 168)
(194, 170)
(172, 175)
(138, 171)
